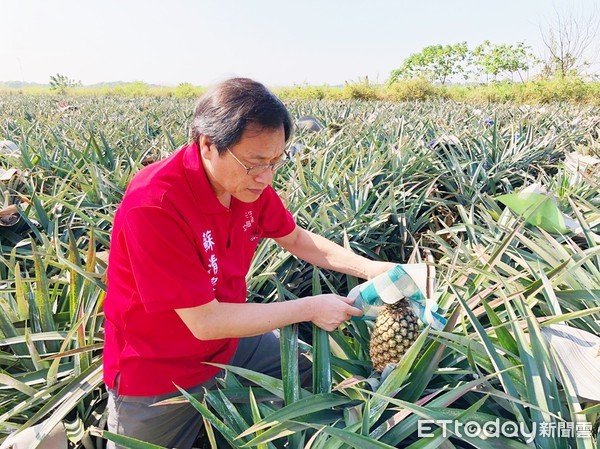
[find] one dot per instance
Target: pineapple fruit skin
(396, 329)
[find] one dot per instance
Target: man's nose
(265, 177)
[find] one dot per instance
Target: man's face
(229, 178)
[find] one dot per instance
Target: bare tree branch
(567, 39)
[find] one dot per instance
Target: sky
(277, 42)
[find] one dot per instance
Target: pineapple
(396, 329)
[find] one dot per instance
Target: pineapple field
(503, 200)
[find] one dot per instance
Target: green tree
(505, 59)
(436, 63)
(60, 83)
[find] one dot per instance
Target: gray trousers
(178, 425)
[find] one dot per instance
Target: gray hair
(225, 111)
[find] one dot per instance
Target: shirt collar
(198, 181)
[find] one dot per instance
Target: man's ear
(205, 145)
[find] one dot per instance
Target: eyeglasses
(256, 170)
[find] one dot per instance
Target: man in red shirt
(181, 246)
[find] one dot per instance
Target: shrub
(304, 92)
(187, 90)
(415, 89)
(361, 90)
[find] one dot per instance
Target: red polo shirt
(174, 246)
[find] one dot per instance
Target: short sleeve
(165, 262)
(274, 219)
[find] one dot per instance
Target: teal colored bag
(408, 281)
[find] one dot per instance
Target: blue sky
(280, 43)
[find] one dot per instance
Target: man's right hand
(328, 311)
(215, 320)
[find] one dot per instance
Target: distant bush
(572, 90)
(569, 89)
(497, 92)
(135, 89)
(304, 92)
(415, 89)
(187, 90)
(594, 94)
(362, 90)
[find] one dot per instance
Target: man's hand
(328, 311)
(215, 320)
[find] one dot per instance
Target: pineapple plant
(396, 329)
